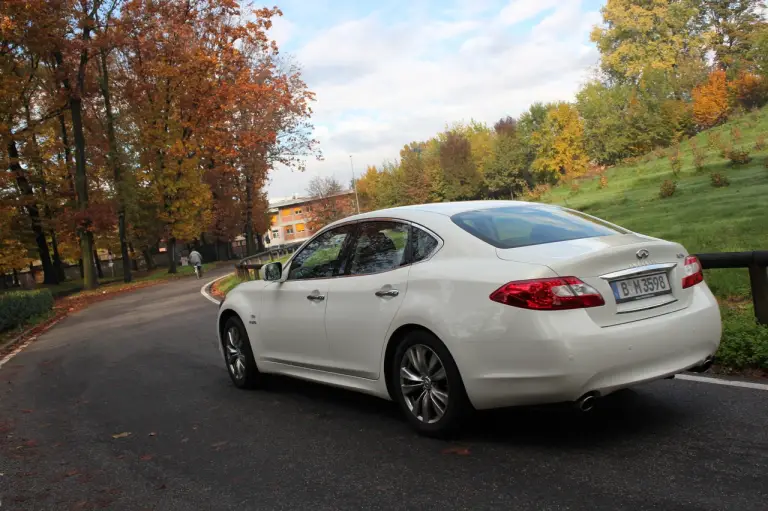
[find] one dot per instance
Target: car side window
(422, 245)
(380, 246)
(322, 257)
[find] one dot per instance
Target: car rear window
(521, 226)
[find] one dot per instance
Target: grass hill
(701, 216)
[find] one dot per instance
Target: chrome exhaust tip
(704, 366)
(586, 403)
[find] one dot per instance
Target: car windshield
(521, 226)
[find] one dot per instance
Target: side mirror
(273, 271)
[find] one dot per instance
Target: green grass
(228, 283)
(699, 216)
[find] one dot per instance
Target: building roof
(301, 200)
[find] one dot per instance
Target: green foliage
(744, 343)
(667, 189)
(719, 180)
(504, 173)
(18, 307)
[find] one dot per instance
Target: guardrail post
(758, 278)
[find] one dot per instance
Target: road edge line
(22, 345)
(204, 289)
(719, 381)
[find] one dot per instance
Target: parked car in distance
(445, 308)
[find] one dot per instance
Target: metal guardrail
(757, 263)
(248, 267)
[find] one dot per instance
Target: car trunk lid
(639, 277)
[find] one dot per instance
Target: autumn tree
(731, 26)
(505, 173)
(560, 144)
(462, 179)
(330, 202)
(710, 100)
(638, 35)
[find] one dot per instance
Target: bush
(603, 183)
(760, 143)
(575, 188)
(739, 156)
(18, 307)
(719, 180)
(744, 343)
(668, 188)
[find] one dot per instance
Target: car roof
(444, 208)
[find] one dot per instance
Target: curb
(18, 344)
(206, 287)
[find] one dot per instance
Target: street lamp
(354, 183)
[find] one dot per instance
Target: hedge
(18, 307)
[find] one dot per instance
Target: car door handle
(388, 292)
(316, 298)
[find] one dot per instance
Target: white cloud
(381, 85)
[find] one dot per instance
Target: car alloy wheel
(424, 383)
(236, 357)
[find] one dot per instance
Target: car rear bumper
(567, 355)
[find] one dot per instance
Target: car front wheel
(238, 355)
(428, 386)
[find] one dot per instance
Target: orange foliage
(748, 90)
(710, 100)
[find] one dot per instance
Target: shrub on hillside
(575, 188)
(18, 307)
(603, 183)
(748, 91)
(719, 180)
(668, 188)
(537, 192)
(739, 156)
(760, 143)
(699, 156)
(736, 134)
(713, 140)
(675, 161)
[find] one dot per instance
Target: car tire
(238, 356)
(410, 397)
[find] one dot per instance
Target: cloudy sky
(389, 72)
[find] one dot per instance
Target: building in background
(296, 219)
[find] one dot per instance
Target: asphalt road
(145, 364)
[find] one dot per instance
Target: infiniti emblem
(642, 253)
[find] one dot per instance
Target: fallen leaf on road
(31, 443)
(72, 473)
(153, 434)
(184, 440)
(219, 444)
(461, 451)
(26, 410)
(146, 457)
(161, 487)
(124, 434)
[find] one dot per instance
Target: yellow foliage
(560, 143)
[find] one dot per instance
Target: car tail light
(548, 294)
(693, 272)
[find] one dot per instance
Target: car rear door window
(380, 246)
(322, 257)
(422, 244)
(520, 226)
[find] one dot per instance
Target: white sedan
(445, 308)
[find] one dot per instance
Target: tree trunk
(113, 160)
(171, 249)
(96, 260)
(260, 243)
(80, 267)
(134, 262)
(49, 274)
(16, 282)
(148, 259)
(248, 213)
(58, 264)
(90, 280)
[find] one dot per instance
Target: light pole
(354, 183)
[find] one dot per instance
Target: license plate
(640, 287)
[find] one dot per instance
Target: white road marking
(205, 293)
(18, 349)
(718, 381)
